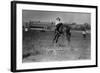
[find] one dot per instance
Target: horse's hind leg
(68, 37)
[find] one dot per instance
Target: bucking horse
(62, 29)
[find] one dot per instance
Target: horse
(61, 29)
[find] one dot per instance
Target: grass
(38, 47)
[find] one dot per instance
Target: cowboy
(59, 29)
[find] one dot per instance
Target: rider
(59, 29)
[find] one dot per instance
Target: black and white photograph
(47, 36)
(55, 36)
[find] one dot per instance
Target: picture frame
(18, 9)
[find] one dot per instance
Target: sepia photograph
(55, 36)
(48, 36)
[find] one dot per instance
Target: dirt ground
(38, 47)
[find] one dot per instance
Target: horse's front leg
(57, 37)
